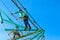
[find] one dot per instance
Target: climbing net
(35, 33)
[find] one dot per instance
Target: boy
(25, 19)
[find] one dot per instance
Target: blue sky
(45, 12)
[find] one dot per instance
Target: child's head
(16, 27)
(19, 10)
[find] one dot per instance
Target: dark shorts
(26, 17)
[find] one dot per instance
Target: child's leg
(29, 26)
(25, 22)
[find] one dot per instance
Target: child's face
(19, 10)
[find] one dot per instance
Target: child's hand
(16, 18)
(11, 13)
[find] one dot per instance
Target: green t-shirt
(21, 14)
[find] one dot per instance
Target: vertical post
(1, 20)
(43, 38)
(16, 4)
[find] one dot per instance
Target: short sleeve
(19, 14)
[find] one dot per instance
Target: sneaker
(29, 28)
(25, 28)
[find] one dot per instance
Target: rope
(10, 19)
(5, 5)
(32, 33)
(5, 14)
(37, 35)
(10, 12)
(33, 24)
(41, 35)
(15, 4)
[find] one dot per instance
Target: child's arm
(19, 18)
(14, 13)
(10, 33)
